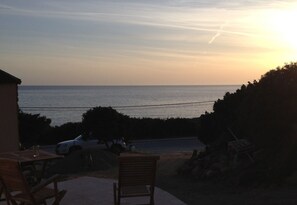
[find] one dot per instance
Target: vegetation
(67, 131)
(33, 129)
(104, 123)
(263, 112)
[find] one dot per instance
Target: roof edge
(8, 78)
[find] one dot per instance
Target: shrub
(263, 112)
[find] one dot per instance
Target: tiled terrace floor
(90, 190)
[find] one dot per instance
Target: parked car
(80, 142)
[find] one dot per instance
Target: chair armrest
(50, 180)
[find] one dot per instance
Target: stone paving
(90, 190)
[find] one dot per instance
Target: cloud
(5, 7)
(214, 37)
(154, 14)
(218, 33)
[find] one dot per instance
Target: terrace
(93, 183)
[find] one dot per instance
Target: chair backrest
(12, 177)
(137, 170)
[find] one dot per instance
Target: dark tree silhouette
(105, 123)
(67, 131)
(265, 113)
(33, 128)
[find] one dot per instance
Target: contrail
(214, 37)
(218, 33)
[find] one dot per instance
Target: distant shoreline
(67, 103)
(227, 85)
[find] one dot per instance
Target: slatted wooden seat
(17, 189)
(137, 176)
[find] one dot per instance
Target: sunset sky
(145, 42)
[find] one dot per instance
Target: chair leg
(119, 196)
(60, 195)
(152, 201)
(1, 190)
(119, 200)
(8, 199)
(115, 193)
(13, 202)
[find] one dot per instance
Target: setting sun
(207, 87)
(283, 25)
(147, 43)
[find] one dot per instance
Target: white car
(79, 143)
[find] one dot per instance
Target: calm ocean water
(67, 103)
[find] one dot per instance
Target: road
(159, 146)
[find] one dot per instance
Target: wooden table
(30, 157)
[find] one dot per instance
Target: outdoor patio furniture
(33, 164)
(1, 191)
(17, 189)
(30, 156)
(136, 177)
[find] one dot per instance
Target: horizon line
(154, 85)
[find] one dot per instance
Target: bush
(264, 112)
(67, 131)
(33, 128)
(105, 123)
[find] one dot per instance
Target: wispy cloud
(219, 32)
(155, 16)
(154, 31)
(5, 7)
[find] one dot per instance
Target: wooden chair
(17, 190)
(136, 178)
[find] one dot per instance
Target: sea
(64, 104)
